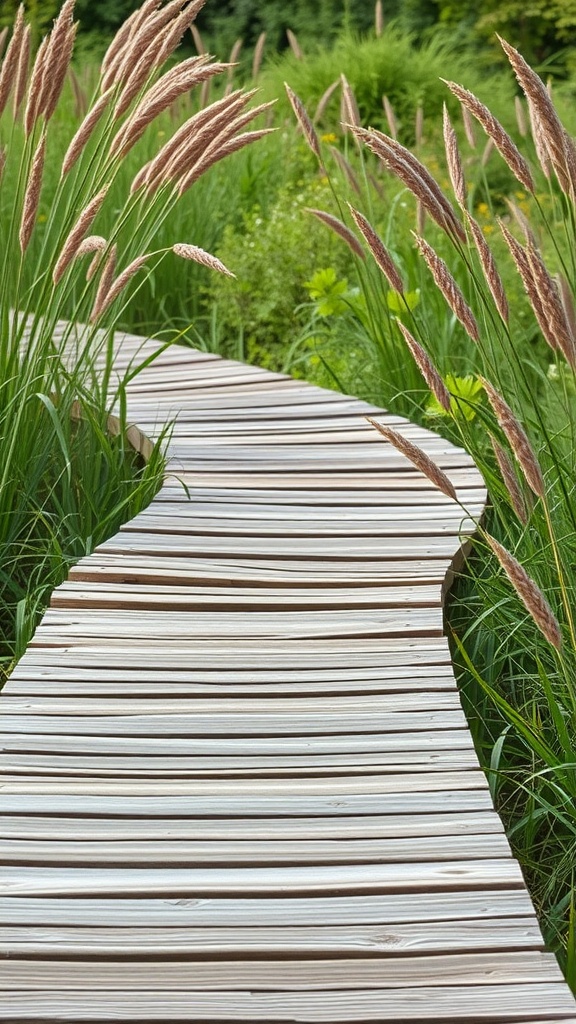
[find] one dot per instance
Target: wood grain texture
(236, 781)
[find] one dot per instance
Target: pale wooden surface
(236, 782)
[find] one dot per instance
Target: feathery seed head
(529, 593)
(417, 457)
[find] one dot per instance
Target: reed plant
(66, 480)
(513, 622)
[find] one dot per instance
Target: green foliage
(395, 64)
(273, 256)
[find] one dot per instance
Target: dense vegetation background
(540, 29)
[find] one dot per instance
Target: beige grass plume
(258, 55)
(489, 268)
(105, 283)
(543, 294)
(78, 233)
(294, 44)
(529, 593)
(9, 69)
(559, 146)
(517, 439)
(226, 149)
(415, 176)
(447, 285)
(504, 144)
(418, 458)
(21, 79)
(82, 136)
(453, 160)
(378, 18)
(119, 284)
(197, 154)
(197, 255)
(506, 467)
(340, 229)
(349, 104)
(426, 367)
(32, 194)
(390, 117)
(35, 87)
(306, 126)
(379, 251)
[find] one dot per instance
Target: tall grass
(66, 481)
(513, 621)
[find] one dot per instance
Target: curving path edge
(237, 784)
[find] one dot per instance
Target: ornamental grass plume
(307, 128)
(517, 439)
(529, 593)
(504, 144)
(417, 457)
(379, 251)
(415, 176)
(340, 229)
(450, 290)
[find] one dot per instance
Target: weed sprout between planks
(63, 480)
(522, 437)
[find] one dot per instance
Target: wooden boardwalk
(237, 783)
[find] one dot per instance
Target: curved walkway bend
(237, 783)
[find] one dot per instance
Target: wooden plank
(382, 910)
(84, 828)
(336, 940)
(291, 976)
(498, 1004)
(221, 852)
(350, 878)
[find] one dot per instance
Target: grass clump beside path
(507, 392)
(66, 480)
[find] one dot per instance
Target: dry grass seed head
(415, 176)
(453, 160)
(427, 368)
(520, 117)
(9, 69)
(197, 158)
(517, 439)
(294, 45)
(390, 117)
(232, 146)
(340, 229)
(191, 138)
(121, 281)
(32, 109)
(258, 55)
(84, 132)
(450, 290)
(529, 593)
(306, 126)
(419, 125)
(552, 304)
(490, 271)
(418, 458)
(3, 38)
(78, 233)
(106, 278)
(21, 80)
(504, 144)
(552, 131)
(349, 104)
(379, 251)
(58, 57)
(32, 194)
(506, 467)
(378, 18)
(197, 255)
(469, 129)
